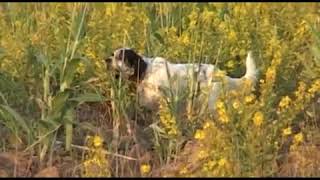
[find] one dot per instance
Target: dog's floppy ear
(140, 68)
(136, 62)
(126, 54)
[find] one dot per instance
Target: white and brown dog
(154, 75)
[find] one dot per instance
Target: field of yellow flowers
(63, 114)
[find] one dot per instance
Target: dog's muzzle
(111, 68)
(108, 61)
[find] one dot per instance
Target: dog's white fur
(162, 74)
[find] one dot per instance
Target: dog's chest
(149, 90)
(148, 96)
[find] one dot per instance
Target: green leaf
(316, 51)
(59, 102)
(42, 59)
(158, 37)
(6, 82)
(78, 24)
(88, 64)
(2, 52)
(88, 97)
(69, 73)
(49, 122)
(316, 33)
(3, 98)
(19, 120)
(68, 119)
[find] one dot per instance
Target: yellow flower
(18, 23)
(219, 74)
(185, 39)
(97, 141)
(222, 162)
(207, 125)
(167, 119)
(145, 168)
(270, 74)
(81, 68)
(234, 93)
(286, 131)
(243, 52)
(223, 117)
(298, 138)
(315, 87)
(258, 118)
(301, 89)
(200, 134)
(220, 104)
(184, 170)
(230, 64)
(35, 39)
(284, 103)
(202, 154)
(172, 132)
(222, 26)
(211, 164)
(247, 83)
(232, 36)
(236, 104)
(249, 99)
(95, 162)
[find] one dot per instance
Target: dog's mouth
(111, 68)
(108, 62)
(117, 75)
(116, 72)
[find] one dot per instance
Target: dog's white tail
(251, 69)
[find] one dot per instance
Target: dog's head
(127, 62)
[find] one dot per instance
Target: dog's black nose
(117, 75)
(108, 60)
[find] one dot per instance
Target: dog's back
(162, 74)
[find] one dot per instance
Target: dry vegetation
(63, 114)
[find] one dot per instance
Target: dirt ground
(17, 163)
